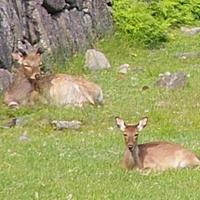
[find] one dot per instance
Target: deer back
(63, 89)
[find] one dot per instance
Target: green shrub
(134, 19)
(148, 21)
(196, 9)
(175, 12)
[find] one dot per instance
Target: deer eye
(25, 63)
(29, 69)
(125, 135)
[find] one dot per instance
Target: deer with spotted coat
(160, 155)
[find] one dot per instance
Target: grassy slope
(85, 164)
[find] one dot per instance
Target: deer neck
(19, 78)
(42, 83)
(132, 159)
(20, 75)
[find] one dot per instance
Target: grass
(85, 164)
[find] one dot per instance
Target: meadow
(85, 164)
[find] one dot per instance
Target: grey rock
(96, 60)
(54, 6)
(6, 79)
(9, 32)
(190, 31)
(172, 81)
(188, 55)
(24, 137)
(20, 121)
(66, 124)
(124, 68)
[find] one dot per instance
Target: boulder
(190, 31)
(74, 124)
(172, 81)
(95, 60)
(123, 69)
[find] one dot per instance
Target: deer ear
(40, 51)
(120, 123)
(142, 123)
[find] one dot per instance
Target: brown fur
(154, 155)
(19, 92)
(58, 89)
(63, 89)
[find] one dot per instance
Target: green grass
(85, 164)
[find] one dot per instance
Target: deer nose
(130, 146)
(34, 76)
(13, 104)
(37, 76)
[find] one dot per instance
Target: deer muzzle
(34, 76)
(131, 146)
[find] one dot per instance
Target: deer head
(131, 131)
(30, 63)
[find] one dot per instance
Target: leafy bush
(134, 19)
(175, 12)
(196, 9)
(148, 21)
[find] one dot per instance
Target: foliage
(196, 9)
(134, 19)
(148, 21)
(175, 12)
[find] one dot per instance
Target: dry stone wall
(67, 25)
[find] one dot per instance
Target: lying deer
(63, 89)
(21, 90)
(153, 155)
(60, 89)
